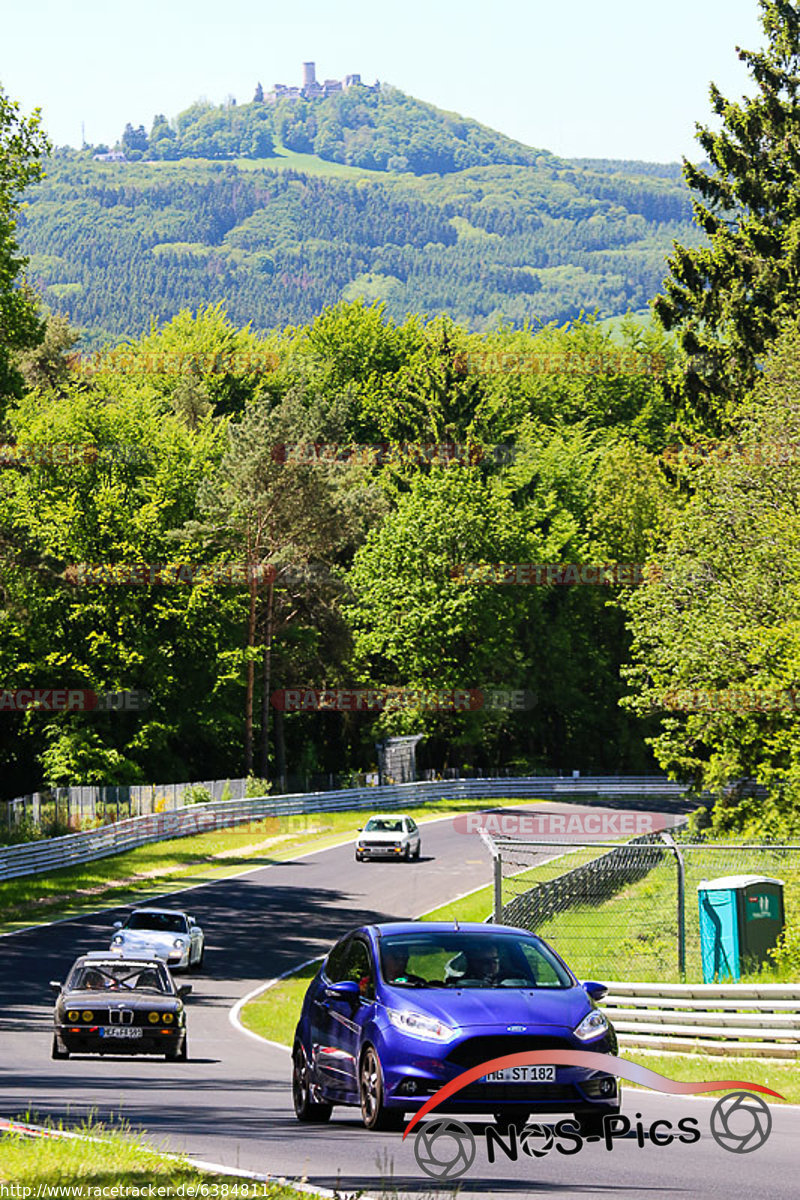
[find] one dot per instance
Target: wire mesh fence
(630, 911)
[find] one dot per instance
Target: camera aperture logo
(446, 1148)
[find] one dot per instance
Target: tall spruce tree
(729, 299)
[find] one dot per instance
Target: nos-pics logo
(445, 1148)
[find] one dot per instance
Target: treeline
(112, 244)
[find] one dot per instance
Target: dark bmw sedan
(115, 1005)
(399, 1010)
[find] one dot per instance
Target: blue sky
(619, 79)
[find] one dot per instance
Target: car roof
(172, 912)
(99, 958)
(386, 928)
(391, 816)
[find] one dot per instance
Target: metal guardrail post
(498, 889)
(681, 868)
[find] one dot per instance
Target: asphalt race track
(231, 1103)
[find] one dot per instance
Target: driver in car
(96, 981)
(394, 959)
(484, 963)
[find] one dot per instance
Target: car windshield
(383, 825)
(470, 960)
(159, 922)
(119, 977)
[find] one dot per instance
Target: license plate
(521, 1075)
(122, 1031)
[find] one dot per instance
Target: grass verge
(163, 867)
(781, 1075)
(67, 1168)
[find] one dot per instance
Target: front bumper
(90, 1040)
(174, 957)
(378, 851)
(574, 1089)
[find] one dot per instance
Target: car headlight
(117, 940)
(591, 1026)
(152, 1018)
(179, 943)
(167, 1018)
(87, 1015)
(418, 1025)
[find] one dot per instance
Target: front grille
(120, 1016)
(477, 1050)
(538, 1093)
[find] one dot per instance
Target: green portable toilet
(741, 917)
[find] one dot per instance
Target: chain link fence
(629, 911)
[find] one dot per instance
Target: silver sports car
(173, 936)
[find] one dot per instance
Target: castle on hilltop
(312, 89)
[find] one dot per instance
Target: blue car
(397, 1010)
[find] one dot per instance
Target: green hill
(279, 210)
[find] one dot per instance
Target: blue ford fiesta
(398, 1010)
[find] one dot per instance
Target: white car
(162, 932)
(388, 837)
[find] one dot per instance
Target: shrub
(256, 787)
(195, 794)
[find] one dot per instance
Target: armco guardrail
(75, 848)
(760, 1019)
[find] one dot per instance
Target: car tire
(418, 850)
(181, 1055)
(591, 1122)
(370, 1087)
(58, 1050)
(504, 1117)
(306, 1109)
(407, 853)
(359, 856)
(196, 966)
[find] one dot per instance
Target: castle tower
(309, 74)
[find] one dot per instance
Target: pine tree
(729, 299)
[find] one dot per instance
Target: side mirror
(346, 990)
(55, 986)
(191, 920)
(360, 829)
(595, 991)
(184, 989)
(117, 925)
